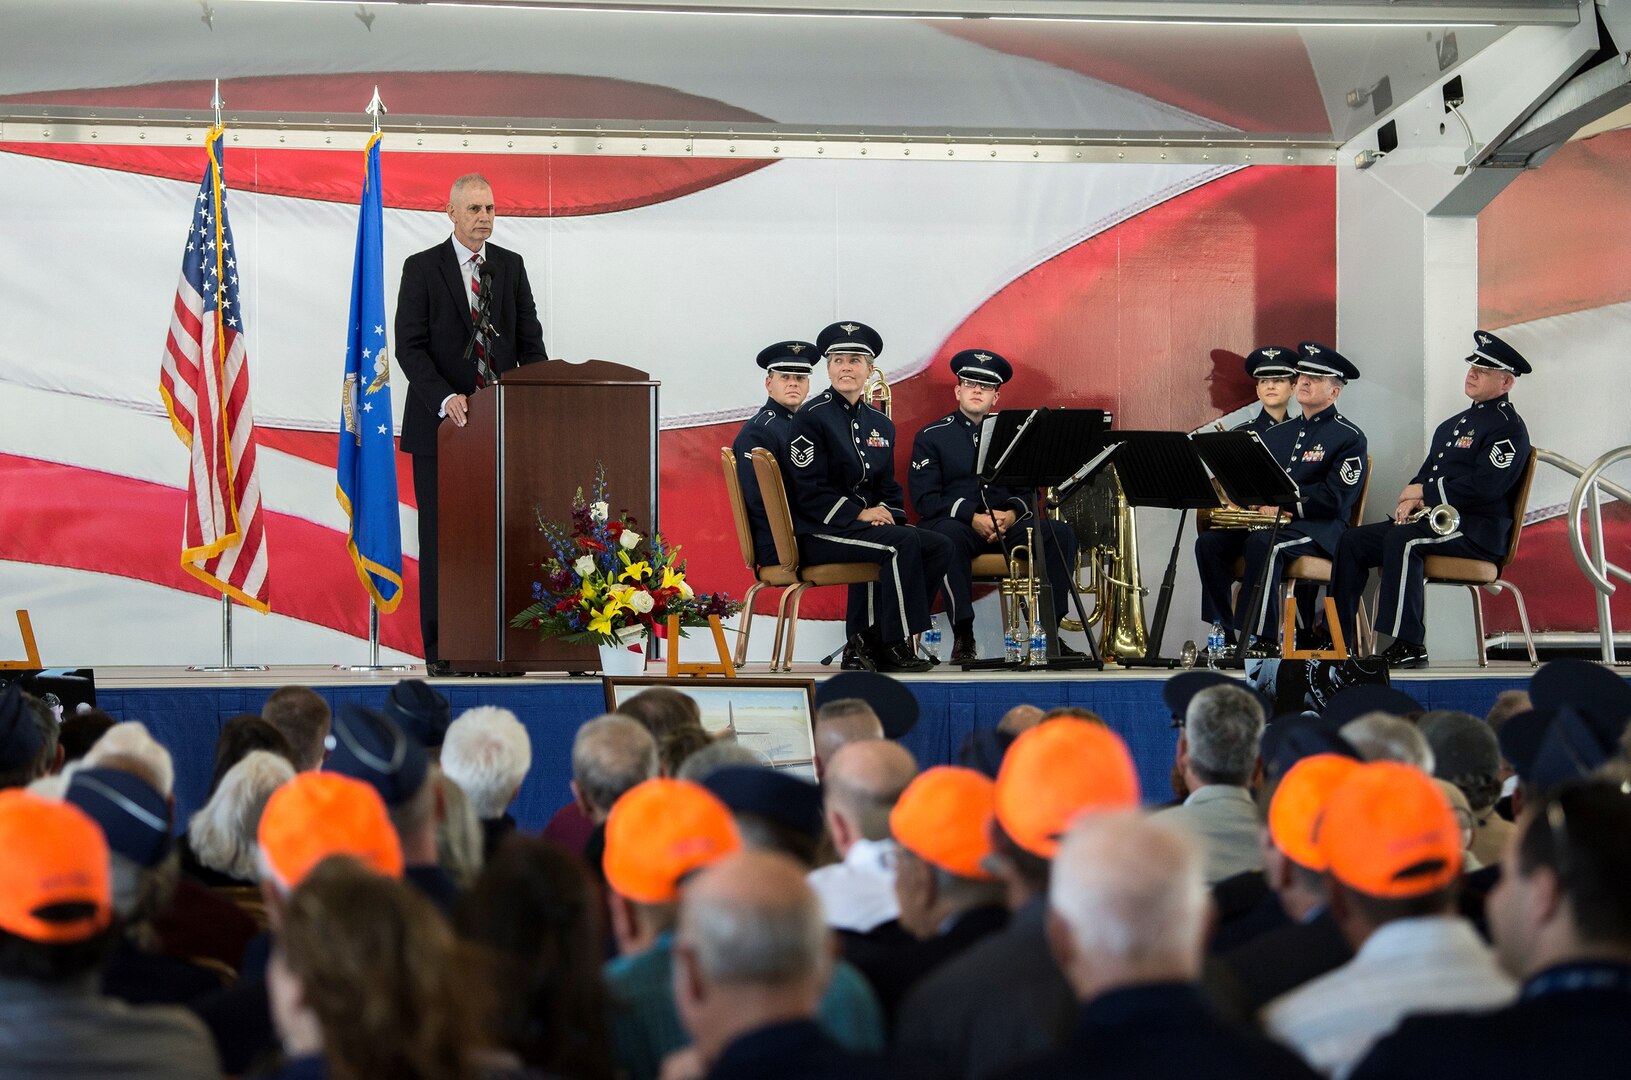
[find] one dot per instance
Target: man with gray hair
(864, 780)
(1127, 913)
(842, 721)
(610, 754)
(1218, 759)
(465, 315)
(487, 753)
(751, 961)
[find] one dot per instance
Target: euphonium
(1443, 519)
(1121, 592)
(875, 392)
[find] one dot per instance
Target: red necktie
(484, 373)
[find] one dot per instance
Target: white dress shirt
(1426, 965)
(859, 893)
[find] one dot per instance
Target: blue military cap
(20, 738)
(1291, 738)
(1588, 688)
(1355, 701)
(849, 337)
(895, 705)
(982, 366)
(367, 745)
(792, 357)
(134, 817)
(1181, 689)
(1272, 362)
(774, 796)
(1552, 745)
(1489, 351)
(984, 750)
(1316, 359)
(420, 710)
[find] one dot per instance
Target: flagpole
(376, 109)
(226, 597)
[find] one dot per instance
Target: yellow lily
(671, 578)
(636, 571)
(602, 622)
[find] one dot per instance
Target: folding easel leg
(1478, 624)
(747, 623)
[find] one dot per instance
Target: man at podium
(464, 315)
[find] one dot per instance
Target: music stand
(1033, 449)
(1161, 469)
(1249, 476)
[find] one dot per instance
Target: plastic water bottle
(1215, 644)
(1039, 645)
(1010, 645)
(931, 638)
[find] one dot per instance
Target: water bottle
(1039, 645)
(931, 639)
(1215, 644)
(1010, 645)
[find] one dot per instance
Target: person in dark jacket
(787, 382)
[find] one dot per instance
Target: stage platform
(185, 711)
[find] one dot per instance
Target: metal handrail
(1594, 563)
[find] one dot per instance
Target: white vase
(628, 656)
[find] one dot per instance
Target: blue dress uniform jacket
(1259, 423)
(841, 458)
(1326, 457)
(771, 428)
(1568, 1022)
(1474, 463)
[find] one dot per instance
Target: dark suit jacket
(433, 326)
(1163, 1030)
(894, 961)
(1243, 980)
(798, 1050)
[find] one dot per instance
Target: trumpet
(1021, 591)
(1443, 519)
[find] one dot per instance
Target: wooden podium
(532, 440)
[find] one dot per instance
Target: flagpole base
(222, 668)
(373, 667)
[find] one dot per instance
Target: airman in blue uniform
(951, 500)
(848, 507)
(1273, 368)
(1474, 463)
(787, 380)
(1326, 456)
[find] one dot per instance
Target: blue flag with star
(366, 486)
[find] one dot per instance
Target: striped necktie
(484, 372)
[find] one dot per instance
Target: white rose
(584, 566)
(599, 511)
(685, 590)
(642, 602)
(629, 539)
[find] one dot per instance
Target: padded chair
(779, 577)
(1477, 574)
(774, 492)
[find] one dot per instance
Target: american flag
(205, 383)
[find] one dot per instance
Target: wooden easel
(31, 650)
(1288, 635)
(675, 668)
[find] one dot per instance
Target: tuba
(875, 392)
(1106, 528)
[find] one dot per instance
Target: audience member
(536, 913)
(862, 783)
(131, 739)
(610, 755)
(370, 747)
(663, 710)
(1561, 918)
(1218, 759)
(751, 961)
(240, 736)
(488, 754)
(304, 718)
(459, 839)
(56, 929)
(774, 811)
(1383, 737)
(841, 721)
(1467, 754)
(678, 746)
(719, 754)
(78, 733)
(366, 980)
(1003, 1000)
(422, 713)
(23, 748)
(1019, 718)
(891, 700)
(220, 841)
(1127, 921)
(1307, 942)
(1394, 854)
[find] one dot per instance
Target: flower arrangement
(603, 579)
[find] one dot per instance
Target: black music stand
(1249, 476)
(1034, 449)
(1159, 469)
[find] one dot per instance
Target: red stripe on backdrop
(1559, 239)
(1558, 595)
(526, 185)
(88, 520)
(1150, 318)
(323, 448)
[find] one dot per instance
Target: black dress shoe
(439, 669)
(1405, 654)
(857, 658)
(899, 657)
(963, 648)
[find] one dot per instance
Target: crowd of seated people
(1373, 891)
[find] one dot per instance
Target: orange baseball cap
(316, 815)
(54, 856)
(1299, 801)
(1388, 832)
(944, 818)
(661, 830)
(1056, 771)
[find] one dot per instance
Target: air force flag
(366, 486)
